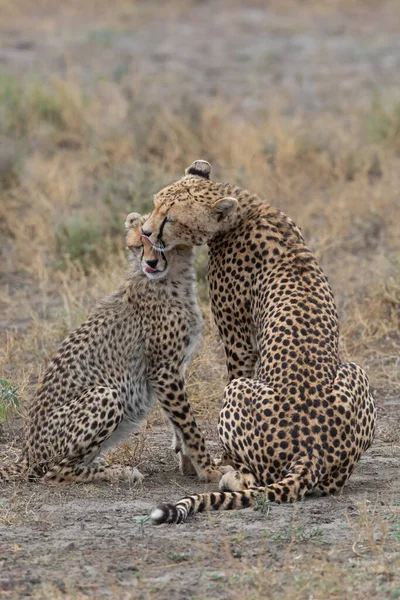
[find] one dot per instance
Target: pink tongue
(150, 270)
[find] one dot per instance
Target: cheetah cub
(105, 377)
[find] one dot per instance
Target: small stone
(70, 547)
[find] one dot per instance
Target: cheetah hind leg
(352, 383)
(96, 471)
(333, 483)
(91, 431)
(351, 388)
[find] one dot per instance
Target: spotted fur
(107, 374)
(294, 418)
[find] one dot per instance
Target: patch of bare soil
(90, 541)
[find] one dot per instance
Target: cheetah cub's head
(152, 262)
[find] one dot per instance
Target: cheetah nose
(146, 233)
(152, 263)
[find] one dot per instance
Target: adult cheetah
(107, 373)
(294, 417)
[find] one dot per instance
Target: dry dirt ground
(318, 59)
(89, 540)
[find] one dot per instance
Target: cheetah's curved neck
(250, 207)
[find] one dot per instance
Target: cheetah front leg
(186, 467)
(240, 347)
(189, 441)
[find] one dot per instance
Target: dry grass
(131, 450)
(68, 186)
(17, 511)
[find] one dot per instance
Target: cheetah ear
(224, 208)
(131, 220)
(202, 168)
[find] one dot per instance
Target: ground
(100, 106)
(88, 541)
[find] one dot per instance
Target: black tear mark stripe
(162, 229)
(163, 225)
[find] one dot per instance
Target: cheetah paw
(230, 482)
(136, 476)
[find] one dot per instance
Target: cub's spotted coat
(107, 373)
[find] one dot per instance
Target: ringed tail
(191, 505)
(291, 488)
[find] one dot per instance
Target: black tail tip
(164, 513)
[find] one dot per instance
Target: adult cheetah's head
(151, 261)
(190, 212)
